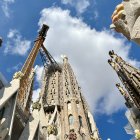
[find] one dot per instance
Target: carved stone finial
(92, 137)
(137, 134)
(72, 135)
(111, 53)
(129, 101)
(65, 58)
(18, 75)
(111, 63)
(36, 105)
(116, 58)
(123, 92)
(114, 65)
(52, 129)
(126, 19)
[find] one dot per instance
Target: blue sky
(79, 29)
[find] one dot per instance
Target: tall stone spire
(129, 76)
(129, 103)
(67, 115)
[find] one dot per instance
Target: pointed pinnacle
(111, 53)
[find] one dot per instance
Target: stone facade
(67, 114)
(130, 78)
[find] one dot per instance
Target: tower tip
(111, 53)
(64, 57)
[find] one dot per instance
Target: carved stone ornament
(92, 137)
(18, 75)
(72, 135)
(36, 105)
(52, 129)
(114, 65)
(137, 134)
(126, 19)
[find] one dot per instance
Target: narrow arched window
(80, 121)
(52, 101)
(71, 119)
(69, 105)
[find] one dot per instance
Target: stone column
(84, 121)
(62, 124)
(66, 121)
(76, 119)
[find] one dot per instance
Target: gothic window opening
(69, 105)
(52, 101)
(68, 91)
(77, 103)
(71, 119)
(80, 121)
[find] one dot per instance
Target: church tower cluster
(66, 111)
(130, 78)
(60, 113)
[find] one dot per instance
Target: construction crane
(17, 96)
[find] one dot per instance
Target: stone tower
(60, 113)
(130, 78)
(66, 112)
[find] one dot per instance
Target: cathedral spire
(129, 103)
(66, 112)
(129, 76)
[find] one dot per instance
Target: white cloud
(5, 6)
(12, 33)
(80, 5)
(36, 94)
(16, 44)
(87, 50)
(39, 71)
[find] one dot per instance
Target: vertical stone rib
(62, 124)
(84, 121)
(66, 118)
(76, 118)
